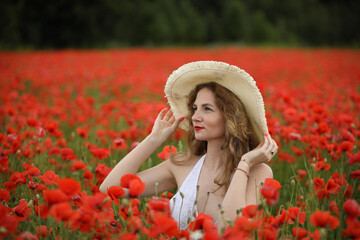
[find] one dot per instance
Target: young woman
(228, 144)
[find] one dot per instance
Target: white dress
(184, 210)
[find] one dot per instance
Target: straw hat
(183, 80)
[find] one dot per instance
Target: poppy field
(67, 117)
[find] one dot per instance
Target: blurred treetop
(112, 23)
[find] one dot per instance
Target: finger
(162, 113)
(266, 142)
(176, 122)
(172, 119)
(168, 115)
(274, 149)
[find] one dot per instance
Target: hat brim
(183, 80)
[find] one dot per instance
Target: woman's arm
(242, 190)
(164, 126)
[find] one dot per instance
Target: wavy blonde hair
(239, 134)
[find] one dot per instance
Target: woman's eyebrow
(205, 105)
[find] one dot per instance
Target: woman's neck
(214, 152)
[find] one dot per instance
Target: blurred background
(43, 24)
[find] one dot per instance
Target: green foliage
(109, 23)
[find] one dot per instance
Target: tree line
(42, 24)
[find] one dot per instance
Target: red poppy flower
(244, 224)
(338, 179)
(252, 211)
(40, 132)
(83, 132)
(101, 172)
(167, 195)
(301, 174)
(62, 211)
(346, 146)
(324, 219)
(136, 187)
(299, 233)
(133, 223)
(267, 232)
(159, 205)
(296, 213)
(83, 219)
(22, 211)
(352, 208)
(321, 165)
(133, 183)
(67, 154)
(126, 179)
(184, 234)
(356, 174)
(284, 157)
(353, 229)
(270, 191)
(115, 192)
(4, 163)
(32, 122)
(88, 175)
(4, 195)
(54, 196)
(49, 178)
(167, 151)
(99, 201)
(34, 171)
(332, 187)
(119, 143)
(100, 153)
(199, 221)
(354, 158)
(77, 165)
(18, 177)
(163, 224)
(42, 210)
(42, 231)
(318, 183)
(9, 223)
(32, 185)
(69, 186)
(334, 208)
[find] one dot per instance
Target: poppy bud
(292, 182)
(30, 203)
(125, 201)
(106, 200)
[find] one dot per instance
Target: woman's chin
(200, 138)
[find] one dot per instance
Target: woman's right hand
(165, 125)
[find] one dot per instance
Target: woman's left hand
(262, 153)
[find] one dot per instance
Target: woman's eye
(208, 109)
(194, 109)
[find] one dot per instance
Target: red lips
(198, 128)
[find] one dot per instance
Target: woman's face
(208, 120)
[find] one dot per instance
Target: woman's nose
(196, 116)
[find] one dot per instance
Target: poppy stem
(207, 198)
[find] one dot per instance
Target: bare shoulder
(181, 166)
(182, 160)
(261, 170)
